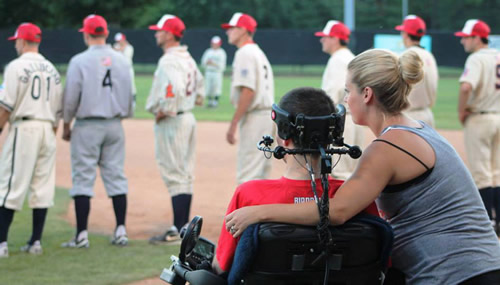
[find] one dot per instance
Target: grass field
(100, 264)
(444, 110)
(289, 77)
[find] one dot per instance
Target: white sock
(3, 244)
(82, 235)
(120, 231)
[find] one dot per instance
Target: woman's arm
(373, 173)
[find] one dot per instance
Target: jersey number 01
(36, 87)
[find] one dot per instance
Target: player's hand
(66, 134)
(160, 115)
(463, 115)
(199, 101)
(238, 220)
(231, 134)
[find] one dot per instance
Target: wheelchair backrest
(273, 253)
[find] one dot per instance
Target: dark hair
(343, 42)
(484, 41)
(414, 38)
(177, 38)
(308, 101)
(97, 36)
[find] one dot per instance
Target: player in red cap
(31, 101)
(214, 63)
(479, 112)
(98, 95)
(123, 45)
(252, 93)
(177, 87)
(334, 39)
(423, 95)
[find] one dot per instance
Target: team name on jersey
(39, 67)
(298, 200)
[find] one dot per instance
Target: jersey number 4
(106, 81)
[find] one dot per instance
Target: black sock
(488, 198)
(120, 207)
(82, 209)
(6, 217)
(181, 205)
(217, 98)
(496, 203)
(39, 216)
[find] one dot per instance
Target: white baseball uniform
(32, 93)
(423, 94)
(176, 84)
(482, 127)
(214, 63)
(251, 69)
(333, 83)
(128, 52)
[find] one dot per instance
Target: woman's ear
(368, 95)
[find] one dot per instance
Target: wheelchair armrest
(198, 277)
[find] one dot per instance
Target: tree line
(277, 14)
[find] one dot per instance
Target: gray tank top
(442, 232)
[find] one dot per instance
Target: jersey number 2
(106, 81)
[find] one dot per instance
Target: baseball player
(213, 62)
(98, 94)
(31, 101)
(334, 39)
(423, 94)
(177, 86)
(123, 46)
(252, 93)
(479, 112)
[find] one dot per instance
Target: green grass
(288, 77)
(100, 264)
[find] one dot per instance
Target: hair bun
(410, 67)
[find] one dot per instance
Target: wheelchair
(272, 253)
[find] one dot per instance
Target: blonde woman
(420, 184)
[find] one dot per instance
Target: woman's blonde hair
(389, 76)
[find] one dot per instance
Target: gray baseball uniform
(98, 94)
(214, 63)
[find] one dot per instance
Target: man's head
(474, 35)
(215, 42)
(412, 30)
(119, 38)
(308, 101)
(28, 37)
(240, 29)
(169, 31)
(95, 30)
(333, 36)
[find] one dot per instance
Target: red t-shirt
(260, 192)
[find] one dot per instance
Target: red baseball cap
(170, 23)
(241, 20)
(94, 25)
(120, 37)
(413, 25)
(474, 28)
(335, 29)
(29, 32)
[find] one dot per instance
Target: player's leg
(251, 163)
(42, 188)
(86, 139)
(111, 164)
(495, 164)
(17, 162)
(217, 88)
(174, 144)
(477, 136)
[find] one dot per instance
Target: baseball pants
(353, 135)
(482, 145)
(27, 165)
(213, 83)
(97, 142)
(251, 163)
(175, 142)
